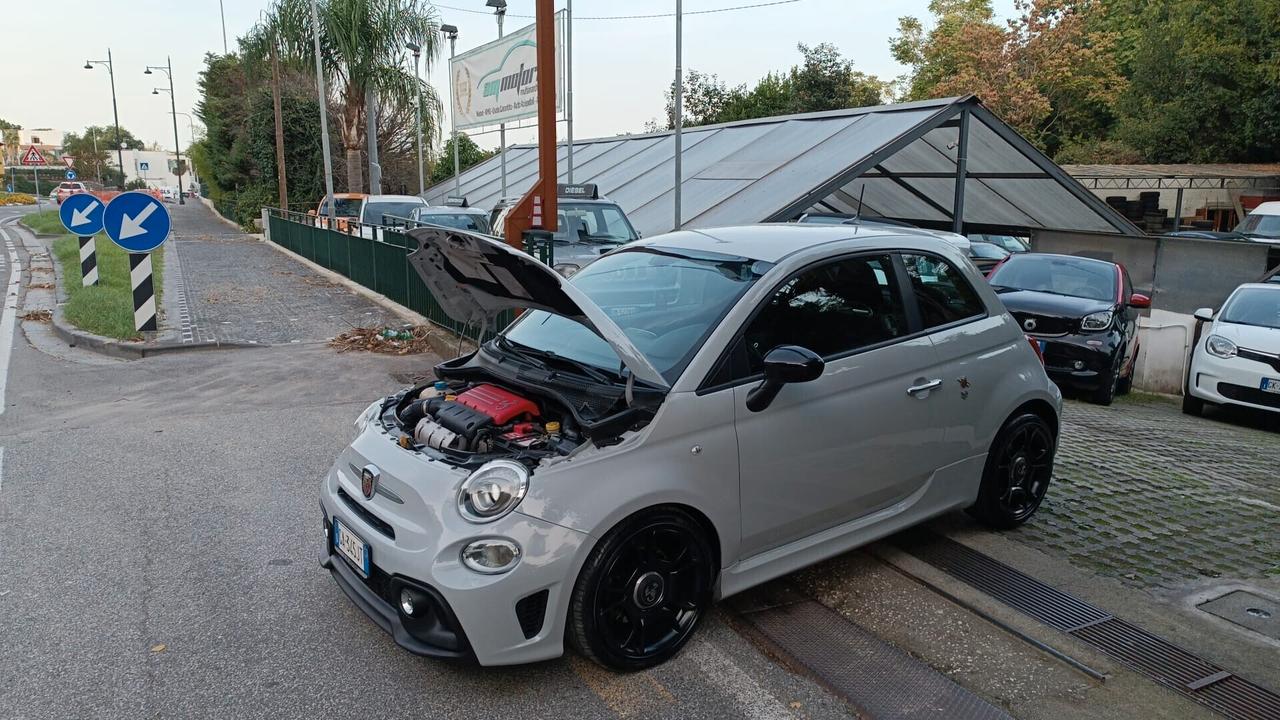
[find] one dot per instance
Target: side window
(1127, 287)
(942, 293)
(830, 309)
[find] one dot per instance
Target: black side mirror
(784, 364)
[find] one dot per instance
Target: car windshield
(460, 221)
(667, 302)
(342, 207)
(987, 251)
(593, 222)
(1253, 306)
(1263, 226)
(1077, 277)
(374, 212)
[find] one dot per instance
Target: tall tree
(362, 49)
(1205, 81)
(1047, 71)
(92, 151)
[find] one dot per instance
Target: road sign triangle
(33, 157)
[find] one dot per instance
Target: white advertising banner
(498, 82)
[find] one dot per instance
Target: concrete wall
(1180, 274)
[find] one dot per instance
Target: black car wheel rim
(652, 590)
(1026, 464)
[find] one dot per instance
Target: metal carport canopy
(902, 160)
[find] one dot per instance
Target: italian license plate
(1271, 385)
(350, 546)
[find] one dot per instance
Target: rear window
(381, 213)
(460, 221)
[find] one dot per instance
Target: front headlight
(493, 491)
(1097, 321)
(367, 416)
(1219, 346)
(566, 269)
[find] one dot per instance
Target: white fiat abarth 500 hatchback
(688, 416)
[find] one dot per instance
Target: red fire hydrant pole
(537, 209)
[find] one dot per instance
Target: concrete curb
(439, 345)
(75, 337)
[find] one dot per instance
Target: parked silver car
(689, 416)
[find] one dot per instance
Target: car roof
(1262, 285)
(395, 198)
(450, 210)
(1271, 207)
(771, 242)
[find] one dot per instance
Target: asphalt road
(160, 534)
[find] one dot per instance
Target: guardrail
(374, 256)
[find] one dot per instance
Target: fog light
(406, 602)
(1079, 364)
(491, 555)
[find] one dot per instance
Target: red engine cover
(497, 403)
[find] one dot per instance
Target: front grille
(1252, 395)
(1265, 358)
(530, 611)
(363, 512)
(1046, 324)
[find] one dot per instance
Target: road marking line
(630, 695)
(754, 702)
(10, 314)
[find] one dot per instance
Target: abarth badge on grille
(369, 476)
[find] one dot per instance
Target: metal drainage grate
(880, 680)
(1159, 659)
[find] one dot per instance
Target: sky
(621, 67)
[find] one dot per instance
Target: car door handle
(923, 387)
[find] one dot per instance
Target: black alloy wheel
(1106, 392)
(1017, 474)
(643, 591)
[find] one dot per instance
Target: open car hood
(474, 278)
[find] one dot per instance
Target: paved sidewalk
(227, 286)
(1163, 500)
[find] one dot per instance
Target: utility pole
(568, 84)
(167, 69)
(678, 97)
(223, 13)
(111, 72)
(275, 105)
(323, 99)
(451, 32)
(499, 12)
(416, 48)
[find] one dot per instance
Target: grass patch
(106, 309)
(45, 223)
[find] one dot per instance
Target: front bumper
(514, 617)
(1231, 381)
(1071, 361)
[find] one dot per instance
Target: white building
(157, 168)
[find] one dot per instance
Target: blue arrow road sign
(71, 174)
(81, 214)
(136, 222)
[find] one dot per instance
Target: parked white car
(387, 211)
(691, 415)
(1237, 360)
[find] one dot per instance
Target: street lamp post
(451, 32)
(500, 13)
(167, 69)
(678, 98)
(111, 72)
(417, 111)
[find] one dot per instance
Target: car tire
(643, 590)
(1126, 383)
(1017, 473)
(1192, 405)
(1106, 392)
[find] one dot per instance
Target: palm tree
(362, 49)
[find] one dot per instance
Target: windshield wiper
(535, 353)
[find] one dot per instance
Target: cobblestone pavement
(233, 288)
(1160, 499)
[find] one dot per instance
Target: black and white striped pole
(144, 293)
(81, 214)
(88, 261)
(139, 223)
